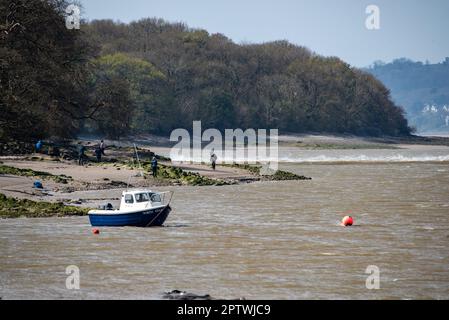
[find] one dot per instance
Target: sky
(415, 29)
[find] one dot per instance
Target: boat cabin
(140, 199)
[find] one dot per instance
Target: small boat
(138, 208)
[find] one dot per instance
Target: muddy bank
(91, 185)
(330, 142)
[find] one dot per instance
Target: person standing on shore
(154, 166)
(81, 154)
(102, 147)
(98, 153)
(38, 146)
(213, 159)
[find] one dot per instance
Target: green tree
(42, 71)
(140, 80)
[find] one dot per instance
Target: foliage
(151, 76)
(272, 85)
(42, 70)
(126, 86)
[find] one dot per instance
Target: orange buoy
(347, 221)
(95, 231)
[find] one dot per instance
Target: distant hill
(422, 89)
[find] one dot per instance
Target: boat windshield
(142, 197)
(155, 197)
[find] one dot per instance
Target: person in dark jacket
(98, 154)
(154, 166)
(102, 147)
(38, 146)
(81, 154)
(213, 160)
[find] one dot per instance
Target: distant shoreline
(328, 141)
(310, 137)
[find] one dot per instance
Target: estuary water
(265, 240)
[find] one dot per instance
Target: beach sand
(92, 185)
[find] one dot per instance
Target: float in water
(138, 208)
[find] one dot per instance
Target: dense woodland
(152, 76)
(421, 88)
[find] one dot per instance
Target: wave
(366, 159)
(326, 156)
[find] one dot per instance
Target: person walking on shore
(98, 153)
(154, 166)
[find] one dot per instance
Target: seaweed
(278, 175)
(14, 208)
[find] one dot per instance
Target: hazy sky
(416, 29)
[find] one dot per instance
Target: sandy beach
(93, 184)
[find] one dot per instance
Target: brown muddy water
(271, 240)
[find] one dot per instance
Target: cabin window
(142, 197)
(155, 197)
(129, 198)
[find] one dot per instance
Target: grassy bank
(32, 173)
(15, 208)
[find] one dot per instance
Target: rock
(16, 148)
(183, 295)
(118, 184)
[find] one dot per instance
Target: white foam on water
(366, 158)
(324, 156)
(328, 253)
(330, 159)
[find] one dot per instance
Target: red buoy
(347, 221)
(95, 231)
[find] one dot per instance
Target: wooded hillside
(421, 88)
(153, 76)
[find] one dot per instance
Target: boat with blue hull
(138, 208)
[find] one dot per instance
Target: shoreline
(330, 141)
(64, 181)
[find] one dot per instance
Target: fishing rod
(140, 166)
(138, 160)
